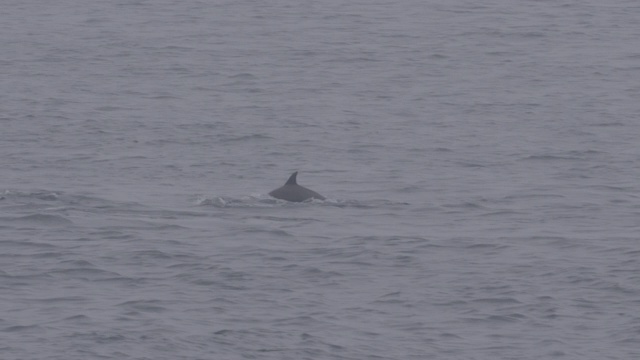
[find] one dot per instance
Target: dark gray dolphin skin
(291, 191)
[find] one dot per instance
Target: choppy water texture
(480, 162)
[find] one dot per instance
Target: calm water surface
(480, 163)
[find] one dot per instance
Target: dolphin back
(291, 191)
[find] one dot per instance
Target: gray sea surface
(480, 160)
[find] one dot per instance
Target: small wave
(267, 201)
(569, 155)
(63, 299)
(284, 218)
(246, 138)
(496, 318)
(23, 328)
(486, 247)
(40, 195)
(302, 321)
(548, 158)
(20, 243)
(606, 124)
(111, 108)
(624, 189)
(501, 213)
(143, 306)
(224, 201)
(533, 196)
(79, 318)
(276, 232)
(86, 273)
(497, 301)
(363, 204)
(150, 254)
(249, 202)
(48, 201)
(411, 189)
(244, 76)
(38, 219)
(464, 205)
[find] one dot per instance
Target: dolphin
(291, 191)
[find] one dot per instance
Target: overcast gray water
(480, 162)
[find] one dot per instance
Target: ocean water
(480, 162)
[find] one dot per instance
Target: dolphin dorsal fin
(292, 179)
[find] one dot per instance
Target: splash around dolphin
(291, 191)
